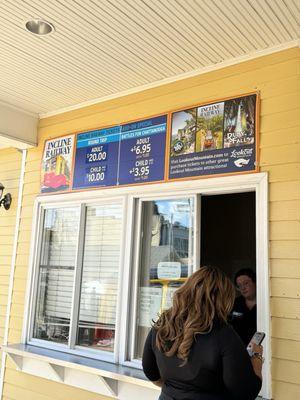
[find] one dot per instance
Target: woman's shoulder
(150, 340)
(152, 335)
(153, 330)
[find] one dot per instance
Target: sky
(179, 208)
(178, 121)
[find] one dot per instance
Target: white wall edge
(12, 267)
(263, 279)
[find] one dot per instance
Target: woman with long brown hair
(191, 351)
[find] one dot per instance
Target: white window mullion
(135, 278)
(120, 315)
(77, 278)
(197, 232)
(126, 280)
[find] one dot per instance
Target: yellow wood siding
(277, 77)
(10, 167)
(285, 390)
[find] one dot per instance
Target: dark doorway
(228, 238)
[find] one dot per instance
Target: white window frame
(71, 347)
(257, 182)
(131, 333)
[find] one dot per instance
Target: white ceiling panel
(104, 48)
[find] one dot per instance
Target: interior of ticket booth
(228, 232)
(171, 247)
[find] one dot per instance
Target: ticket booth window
(78, 276)
(165, 259)
(105, 264)
(56, 274)
(99, 280)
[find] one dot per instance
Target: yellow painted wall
(10, 168)
(277, 77)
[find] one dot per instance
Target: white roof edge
(190, 74)
(18, 109)
(7, 141)
(17, 129)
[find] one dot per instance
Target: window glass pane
(56, 274)
(99, 286)
(166, 259)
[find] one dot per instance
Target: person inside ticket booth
(243, 315)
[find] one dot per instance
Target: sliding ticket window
(165, 260)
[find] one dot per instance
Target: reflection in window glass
(99, 286)
(166, 259)
(56, 274)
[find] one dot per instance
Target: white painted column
(12, 267)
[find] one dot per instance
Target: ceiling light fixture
(39, 27)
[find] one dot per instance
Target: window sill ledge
(82, 372)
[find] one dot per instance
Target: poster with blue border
(96, 160)
(217, 138)
(142, 151)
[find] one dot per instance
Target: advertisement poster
(57, 164)
(214, 139)
(142, 151)
(96, 162)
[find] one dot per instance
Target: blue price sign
(97, 158)
(142, 151)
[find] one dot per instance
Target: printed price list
(97, 158)
(142, 151)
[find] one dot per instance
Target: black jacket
(243, 320)
(218, 368)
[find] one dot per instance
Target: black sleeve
(238, 375)
(149, 361)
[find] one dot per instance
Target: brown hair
(207, 295)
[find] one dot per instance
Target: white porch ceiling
(105, 48)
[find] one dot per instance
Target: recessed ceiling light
(39, 27)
